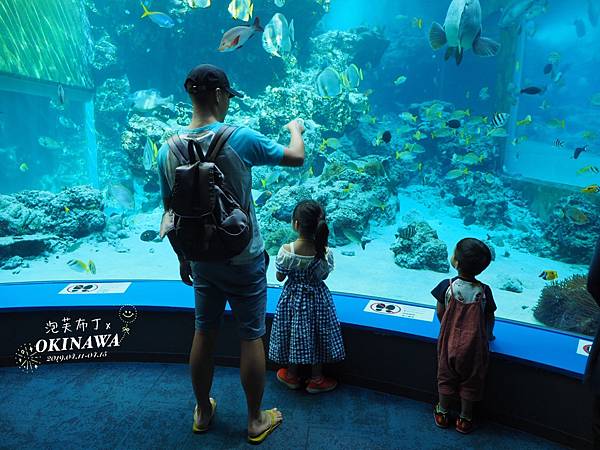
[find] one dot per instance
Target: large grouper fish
(462, 31)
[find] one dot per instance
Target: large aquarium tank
(426, 122)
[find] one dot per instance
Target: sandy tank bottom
(371, 272)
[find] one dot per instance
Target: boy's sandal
(441, 418)
(272, 425)
(197, 429)
(464, 426)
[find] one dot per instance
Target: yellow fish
(79, 266)
(591, 189)
(241, 9)
(333, 143)
(472, 158)
(417, 22)
(526, 121)
(557, 123)
(549, 275)
(348, 188)
(586, 169)
(519, 140)
(409, 117)
(456, 173)
(460, 114)
(418, 135)
(263, 182)
(576, 215)
(405, 156)
(24, 167)
(67, 210)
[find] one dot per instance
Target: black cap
(208, 77)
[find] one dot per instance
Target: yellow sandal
(273, 424)
(195, 428)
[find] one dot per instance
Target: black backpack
(209, 222)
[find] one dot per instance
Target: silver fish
(236, 37)
(278, 36)
(149, 99)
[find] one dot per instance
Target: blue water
(102, 145)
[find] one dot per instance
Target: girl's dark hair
(473, 256)
(311, 219)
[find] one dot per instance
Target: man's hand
(296, 125)
(185, 272)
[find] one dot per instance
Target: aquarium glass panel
(426, 123)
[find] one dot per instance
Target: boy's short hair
(472, 256)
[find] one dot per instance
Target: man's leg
(202, 368)
(247, 295)
(210, 304)
(252, 374)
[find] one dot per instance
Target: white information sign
(95, 288)
(584, 348)
(400, 310)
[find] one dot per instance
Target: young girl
(465, 309)
(306, 329)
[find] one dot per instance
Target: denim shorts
(244, 286)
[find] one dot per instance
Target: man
(241, 280)
(592, 372)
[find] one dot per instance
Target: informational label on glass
(399, 310)
(95, 288)
(584, 347)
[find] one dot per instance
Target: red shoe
(441, 418)
(290, 381)
(464, 426)
(321, 384)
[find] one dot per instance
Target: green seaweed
(46, 40)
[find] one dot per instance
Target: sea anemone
(567, 305)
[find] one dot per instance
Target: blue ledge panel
(551, 349)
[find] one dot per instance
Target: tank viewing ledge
(391, 345)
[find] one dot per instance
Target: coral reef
(362, 46)
(422, 251)
(567, 305)
(105, 53)
(111, 110)
(349, 210)
(573, 229)
(74, 212)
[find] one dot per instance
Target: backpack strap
(178, 147)
(184, 151)
(218, 142)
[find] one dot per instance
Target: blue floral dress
(306, 329)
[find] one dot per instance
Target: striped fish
(499, 119)
(407, 233)
(559, 143)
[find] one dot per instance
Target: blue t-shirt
(251, 148)
(254, 148)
